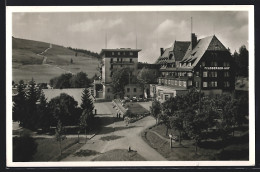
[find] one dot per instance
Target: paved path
(130, 136)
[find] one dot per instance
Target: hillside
(42, 61)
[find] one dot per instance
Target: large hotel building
(112, 60)
(205, 64)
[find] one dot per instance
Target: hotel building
(205, 64)
(112, 60)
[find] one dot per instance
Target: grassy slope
(27, 64)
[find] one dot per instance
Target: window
(197, 73)
(113, 53)
(131, 60)
(214, 64)
(213, 74)
(213, 84)
(197, 84)
(121, 59)
(118, 53)
(134, 89)
(180, 83)
(131, 53)
(184, 83)
(111, 74)
(202, 64)
(128, 90)
(189, 83)
(108, 90)
(176, 82)
(172, 82)
(111, 66)
(226, 64)
(205, 84)
(165, 81)
(205, 74)
(111, 60)
(180, 64)
(226, 74)
(226, 84)
(166, 97)
(160, 81)
(117, 59)
(190, 74)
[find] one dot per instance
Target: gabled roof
(208, 43)
(180, 48)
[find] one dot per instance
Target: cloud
(170, 27)
(93, 25)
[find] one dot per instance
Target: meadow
(26, 64)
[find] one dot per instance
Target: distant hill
(42, 61)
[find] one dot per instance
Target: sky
(148, 31)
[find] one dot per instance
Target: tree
(80, 80)
(146, 76)
(64, 109)
(120, 79)
(60, 134)
(19, 106)
(195, 127)
(30, 120)
(43, 114)
(156, 110)
(24, 148)
(176, 123)
(241, 60)
(63, 81)
(87, 107)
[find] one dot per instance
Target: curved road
(129, 136)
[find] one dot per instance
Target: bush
(24, 148)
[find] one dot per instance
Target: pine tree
(87, 111)
(30, 119)
(87, 103)
(44, 116)
(19, 103)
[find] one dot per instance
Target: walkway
(128, 136)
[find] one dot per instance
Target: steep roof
(180, 48)
(208, 43)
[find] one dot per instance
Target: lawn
(119, 155)
(48, 148)
(136, 108)
(234, 148)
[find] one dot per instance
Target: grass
(27, 64)
(119, 155)
(112, 137)
(136, 108)
(24, 51)
(86, 152)
(235, 148)
(48, 149)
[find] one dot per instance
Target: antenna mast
(191, 25)
(106, 40)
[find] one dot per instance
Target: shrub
(24, 148)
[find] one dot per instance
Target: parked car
(126, 99)
(134, 99)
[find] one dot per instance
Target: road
(129, 135)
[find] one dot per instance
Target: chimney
(193, 40)
(162, 50)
